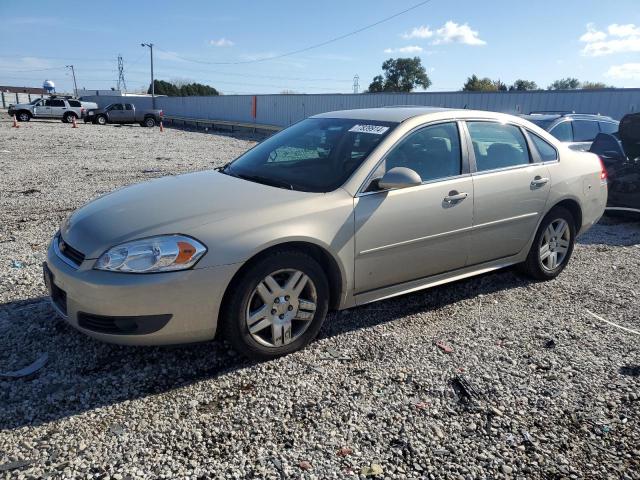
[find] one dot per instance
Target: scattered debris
(30, 191)
(305, 465)
(116, 429)
(152, 170)
(5, 467)
(613, 324)
(17, 264)
(372, 470)
(28, 370)
(344, 452)
(463, 389)
(336, 354)
(630, 370)
(444, 347)
(422, 405)
(550, 344)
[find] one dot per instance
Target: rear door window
(608, 127)
(497, 145)
(563, 132)
(56, 103)
(585, 130)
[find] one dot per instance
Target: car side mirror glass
(399, 177)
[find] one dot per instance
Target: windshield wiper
(274, 182)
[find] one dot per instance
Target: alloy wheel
(281, 308)
(554, 244)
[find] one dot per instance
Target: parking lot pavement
(534, 385)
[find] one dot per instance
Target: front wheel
(552, 246)
(101, 120)
(23, 116)
(277, 306)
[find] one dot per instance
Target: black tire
(101, 120)
(23, 116)
(68, 117)
(533, 265)
(233, 318)
(149, 122)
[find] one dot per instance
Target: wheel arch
(574, 207)
(327, 261)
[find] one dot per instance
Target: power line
(310, 47)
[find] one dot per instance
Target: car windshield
(315, 155)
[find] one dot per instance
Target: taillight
(161, 113)
(603, 171)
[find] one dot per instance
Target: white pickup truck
(64, 108)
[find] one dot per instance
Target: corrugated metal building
(283, 110)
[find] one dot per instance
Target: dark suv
(577, 129)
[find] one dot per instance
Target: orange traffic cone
(161, 127)
(73, 121)
(15, 122)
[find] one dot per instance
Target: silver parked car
(577, 130)
(338, 210)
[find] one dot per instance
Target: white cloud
(418, 32)
(619, 39)
(627, 30)
(221, 42)
(592, 34)
(626, 71)
(407, 49)
(452, 32)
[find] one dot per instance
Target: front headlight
(164, 253)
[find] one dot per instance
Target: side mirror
(399, 177)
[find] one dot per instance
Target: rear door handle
(539, 181)
(454, 196)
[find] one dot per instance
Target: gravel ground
(534, 387)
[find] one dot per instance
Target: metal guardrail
(207, 122)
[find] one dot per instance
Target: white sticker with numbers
(374, 129)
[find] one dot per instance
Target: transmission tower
(122, 85)
(356, 83)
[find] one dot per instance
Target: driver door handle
(539, 181)
(454, 196)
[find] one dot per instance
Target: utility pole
(122, 85)
(75, 85)
(356, 83)
(153, 90)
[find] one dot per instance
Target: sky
(230, 45)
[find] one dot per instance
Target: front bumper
(152, 309)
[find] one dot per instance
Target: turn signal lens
(165, 253)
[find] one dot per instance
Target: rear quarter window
(546, 151)
(74, 103)
(608, 127)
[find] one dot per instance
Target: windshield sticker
(374, 129)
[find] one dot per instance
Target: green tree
(162, 87)
(401, 75)
(524, 85)
(594, 85)
(565, 84)
(476, 84)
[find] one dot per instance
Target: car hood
(177, 204)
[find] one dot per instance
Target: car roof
(401, 113)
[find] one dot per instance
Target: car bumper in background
(137, 309)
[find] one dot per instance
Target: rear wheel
(277, 306)
(68, 117)
(23, 116)
(149, 122)
(552, 246)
